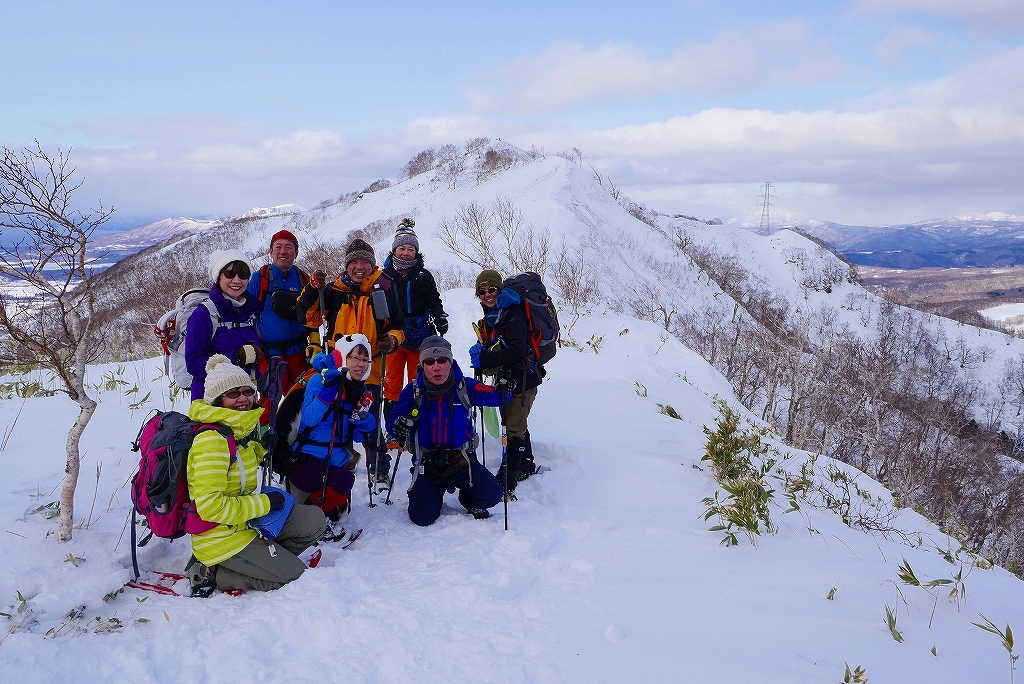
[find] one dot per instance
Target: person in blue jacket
(276, 286)
(335, 412)
(432, 418)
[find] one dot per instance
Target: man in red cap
(277, 286)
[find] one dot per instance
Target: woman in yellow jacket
(226, 491)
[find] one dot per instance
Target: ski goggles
(487, 290)
(240, 392)
(430, 362)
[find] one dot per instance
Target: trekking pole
(394, 472)
(479, 375)
(379, 438)
(322, 330)
(274, 398)
(504, 462)
(330, 445)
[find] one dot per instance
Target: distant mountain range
(108, 248)
(993, 240)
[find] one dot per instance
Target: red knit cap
(284, 235)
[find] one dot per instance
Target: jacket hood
(365, 285)
(344, 346)
(242, 423)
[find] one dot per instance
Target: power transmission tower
(766, 206)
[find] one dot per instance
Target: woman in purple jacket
(232, 331)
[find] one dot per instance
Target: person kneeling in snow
(434, 413)
(224, 487)
(334, 415)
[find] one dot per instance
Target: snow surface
(1009, 314)
(607, 573)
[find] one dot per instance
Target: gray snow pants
(255, 569)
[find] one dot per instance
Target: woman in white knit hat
(223, 482)
(226, 322)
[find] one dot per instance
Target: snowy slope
(607, 574)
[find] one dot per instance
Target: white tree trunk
(67, 491)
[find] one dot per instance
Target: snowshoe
(479, 513)
(334, 533)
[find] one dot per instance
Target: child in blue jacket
(334, 415)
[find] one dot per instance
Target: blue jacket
(318, 414)
(443, 420)
(272, 328)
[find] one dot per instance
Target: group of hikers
(295, 369)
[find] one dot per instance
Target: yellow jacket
(215, 483)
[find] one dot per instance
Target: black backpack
(541, 315)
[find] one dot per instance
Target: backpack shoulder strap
(264, 276)
(211, 306)
(464, 394)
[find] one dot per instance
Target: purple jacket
(238, 327)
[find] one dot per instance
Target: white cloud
(781, 52)
(299, 149)
(993, 12)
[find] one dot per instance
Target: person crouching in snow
(433, 419)
(225, 489)
(335, 413)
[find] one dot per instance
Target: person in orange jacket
(350, 309)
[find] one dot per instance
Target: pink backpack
(159, 488)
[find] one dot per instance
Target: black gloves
(402, 427)
(505, 384)
(441, 323)
(387, 344)
(269, 440)
(276, 500)
(318, 280)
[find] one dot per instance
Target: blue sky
(865, 111)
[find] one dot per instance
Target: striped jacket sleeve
(214, 483)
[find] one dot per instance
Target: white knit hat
(222, 257)
(221, 376)
(343, 346)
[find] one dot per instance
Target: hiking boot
(526, 468)
(202, 579)
(479, 513)
(334, 532)
(511, 495)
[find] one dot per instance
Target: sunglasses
(431, 362)
(243, 392)
(240, 271)
(487, 290)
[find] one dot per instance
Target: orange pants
(400, 362)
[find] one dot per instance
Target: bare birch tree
(46, 238)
